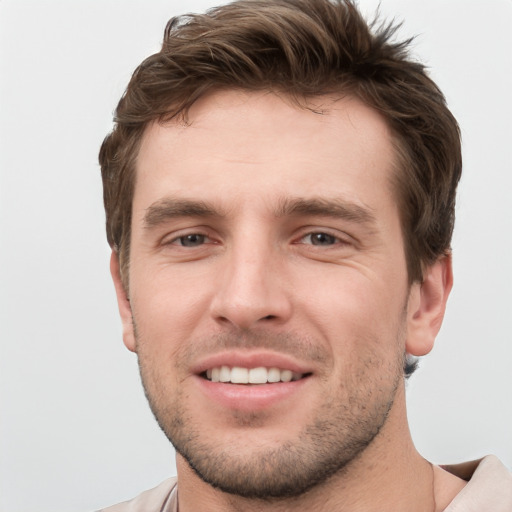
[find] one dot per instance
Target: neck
(389, 475)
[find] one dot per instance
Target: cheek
(359, 317)
(169, 304)
(354, 296)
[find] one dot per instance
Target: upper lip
(251, 360)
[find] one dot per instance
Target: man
(280, 190)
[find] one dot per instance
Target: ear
(426, 306)
(123, 302)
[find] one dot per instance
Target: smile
(259, 375)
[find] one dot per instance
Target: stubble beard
(339, 432)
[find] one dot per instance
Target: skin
(259, 274)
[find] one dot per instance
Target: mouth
(251, 381)
(259, 375)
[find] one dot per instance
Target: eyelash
(335, 240)
(180, 241)
(174, 241)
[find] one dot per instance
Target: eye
(321, 239)
(192, 240)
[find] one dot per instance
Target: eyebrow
(169, 208)
(320, 207)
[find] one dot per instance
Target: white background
(76, 433)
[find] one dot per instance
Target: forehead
(240, 145)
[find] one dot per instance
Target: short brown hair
(302, 48)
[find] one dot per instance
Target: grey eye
(322, 239)
(193, 240)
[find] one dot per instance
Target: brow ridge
(322, 207)
(170, 208)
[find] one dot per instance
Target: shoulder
(151, 500)
(489, 486)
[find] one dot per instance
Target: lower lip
(250, 397)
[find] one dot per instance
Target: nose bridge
(251, 287)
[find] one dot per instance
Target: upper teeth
(261, 375)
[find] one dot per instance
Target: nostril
(269, 317)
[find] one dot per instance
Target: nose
(252, 289)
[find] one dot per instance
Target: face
(268, 288)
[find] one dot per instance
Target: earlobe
(426, 306)
(123, 303)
